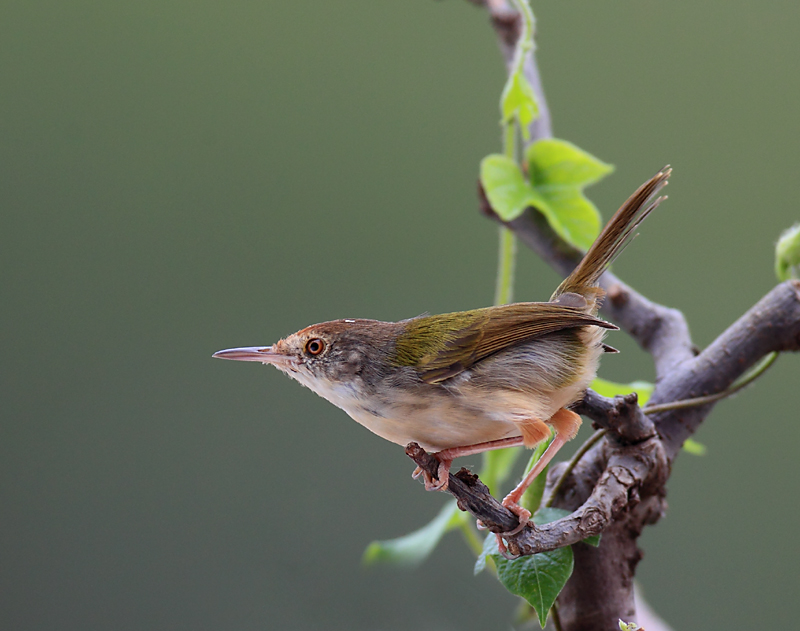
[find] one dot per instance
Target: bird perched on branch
(468, 382)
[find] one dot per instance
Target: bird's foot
(524, 519)
(442, 474)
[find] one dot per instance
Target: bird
(472, 381)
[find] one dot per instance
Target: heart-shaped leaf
(570, 214)
(558, 172)
(538, 578)
(507, 190)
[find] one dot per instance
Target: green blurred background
(179, 177)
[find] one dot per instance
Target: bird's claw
(524, 519)
(443, 475)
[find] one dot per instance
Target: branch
(471, 494)
(628, 467)
(621, 415)
(773, 324)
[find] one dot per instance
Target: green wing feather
(442, 346)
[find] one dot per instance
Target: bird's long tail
(615, 236)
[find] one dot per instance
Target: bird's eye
(315, 346)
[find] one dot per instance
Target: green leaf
(507, 190)
(559, 171)
(787, 254)
(537, 578)
(414, 547)
(691, 446)
(544, 515)
(593, 541)
(571, 215)
(553, 162)
(518, 102)
(611, 389)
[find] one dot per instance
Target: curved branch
(628, 467)
(773, 324)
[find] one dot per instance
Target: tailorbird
(472, 381)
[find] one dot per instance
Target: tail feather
(615, 236)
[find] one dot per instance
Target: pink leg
(566, 424)
(446, 456)
(479, 448)
(512, 499)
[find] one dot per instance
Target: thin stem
(507, 259)
(504, 292)
(574, 461)
(711, 398)
(525, 43)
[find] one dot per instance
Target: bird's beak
(263, 354)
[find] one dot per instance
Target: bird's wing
(455, 342)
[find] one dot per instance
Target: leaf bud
(787, 254)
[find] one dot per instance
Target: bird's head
(331, 355)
